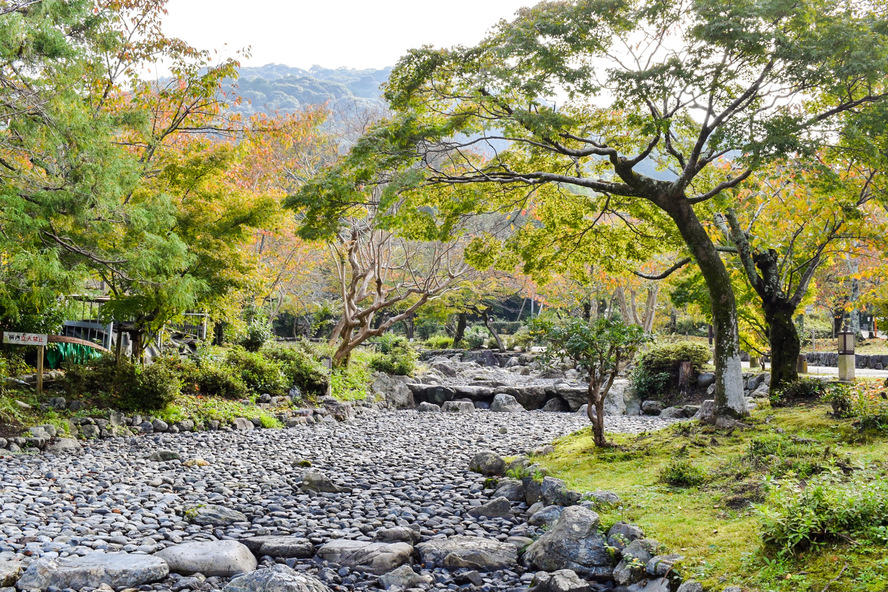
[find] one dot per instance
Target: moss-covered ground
(741, 476)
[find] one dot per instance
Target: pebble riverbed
(403, 468)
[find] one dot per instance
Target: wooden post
(802, 364)
(684, 376)
(41, 349)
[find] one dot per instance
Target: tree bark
(785, 344)
(729, 399)
(461, 322)
(595, 411)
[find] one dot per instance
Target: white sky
(332, 33)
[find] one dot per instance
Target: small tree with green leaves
(599, 347)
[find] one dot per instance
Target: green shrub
(801, 390)
(395, 356)
(351, 383)
(825, 509)
(257, 333)
(124, 385)
(865, 401)
(156, 386)
(522, 338)
(260, 374)
(219, 381)
(656, 370)
(301, 365)
(439, 341)
(475, 337)
(681, 473)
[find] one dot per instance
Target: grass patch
(713, 496)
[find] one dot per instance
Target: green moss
(716, 525)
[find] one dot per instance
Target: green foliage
(865, 401)
(475, 337)
(219, 381)
(255, 336)
(681, 473)
(656, 370)
(439, 341)
(351, 383)
(260, 374)
(301, 366)
(395, 355)
(522, 338)
(826, 508)
(802, 390)
(781, 455)
(124, 386)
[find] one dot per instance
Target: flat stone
(280, 546)
(278, 578)
(426, 407)
(64, 446)
(496, 508)
(398, 534)
(213, 515)
(378, 558)
(210, 558)
(468, 552)
(119, 570)
(458, 406)
(315, 480)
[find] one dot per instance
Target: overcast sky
(332, 33)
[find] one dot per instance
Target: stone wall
(874, 362)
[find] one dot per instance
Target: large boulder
(511, 489)
(280, 546)
(623, 533)
(210, 558)
(404, 577)
(530, 396)
(459, 406)
(378, 558)
(468, 552)
(496, 508)
(505, 403)
(574, 396)
(213, 515)
(278, 578)
(563, 580)
(573, 543)
(118, 570)
(615, 401)
(426, 407)
(487, 463)
(431, 393)
(555, 493)
(392, 391)
(64, 446)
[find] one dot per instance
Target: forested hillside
(278, 88)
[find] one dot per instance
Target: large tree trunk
(729, 399)
(785, 344)
(461, 322)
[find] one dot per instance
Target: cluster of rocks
(755, 387)
(383, 500)
(565, 541)
(480, 378)
(48, 438)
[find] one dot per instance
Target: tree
(797, 217)
(378, 271)
(635, 102)
(600, 347)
